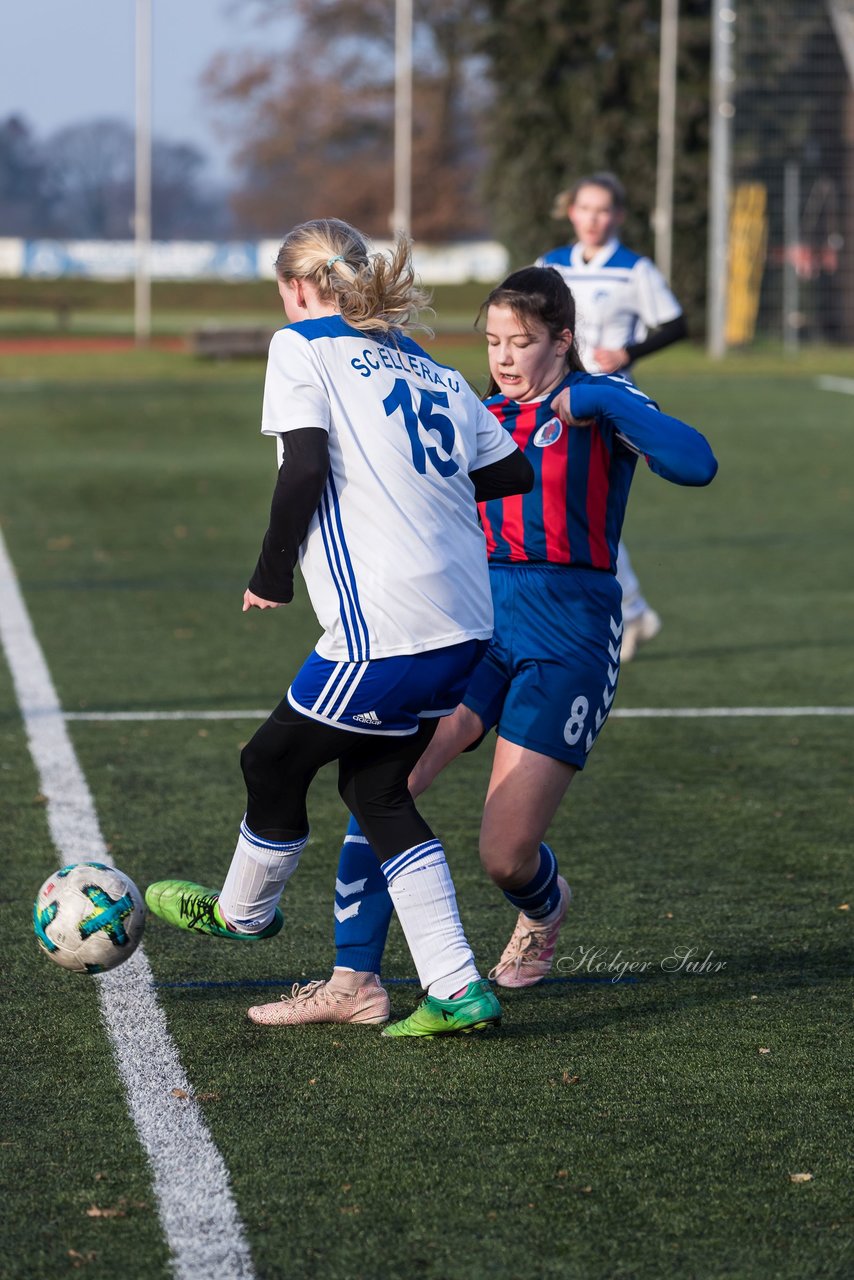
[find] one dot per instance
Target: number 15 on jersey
(424, 415)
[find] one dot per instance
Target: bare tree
(25, 190)
(315, 122)
(91, 167)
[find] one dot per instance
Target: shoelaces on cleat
(529, 944)
(305, 993)
(198, 909)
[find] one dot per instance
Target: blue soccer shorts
(385, 695)
(550, 673)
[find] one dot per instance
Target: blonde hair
(372, 291)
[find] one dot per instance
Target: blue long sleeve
(672, 449)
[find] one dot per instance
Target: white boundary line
(723, 713)
(619, 713)
(828, 383)
(203, 1231)
(168, 715)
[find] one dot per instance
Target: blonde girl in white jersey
(383, 454)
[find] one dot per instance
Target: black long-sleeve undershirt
(299, 487)
(656, 339)
(512, 474)
(296, 497)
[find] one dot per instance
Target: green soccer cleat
(191, 906)
(476, 1010)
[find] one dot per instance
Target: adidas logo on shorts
(368, 717)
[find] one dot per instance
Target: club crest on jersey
(549, 433)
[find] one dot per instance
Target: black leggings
(280, 761)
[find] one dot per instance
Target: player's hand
(562, 406)
(610, 361)
(251, 601)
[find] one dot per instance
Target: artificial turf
(619, 1129)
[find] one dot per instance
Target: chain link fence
(791, 244)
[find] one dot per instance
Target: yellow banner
(748, 243)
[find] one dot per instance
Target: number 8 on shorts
(574, 726)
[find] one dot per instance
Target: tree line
(512, 102)
(78, 183)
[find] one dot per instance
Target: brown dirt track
(71, 346)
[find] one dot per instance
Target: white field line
(197, 1211)
(619, 713)
(168, 715)
(828, 383)
(724, 713)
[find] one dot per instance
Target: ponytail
(372, 291)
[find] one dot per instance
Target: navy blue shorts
(385, 695)
(550, 673)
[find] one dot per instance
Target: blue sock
(362, 905)
(540, 896)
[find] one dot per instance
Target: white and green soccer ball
(88, 917)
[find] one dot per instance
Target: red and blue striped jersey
(574, 513)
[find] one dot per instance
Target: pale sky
(67, 61)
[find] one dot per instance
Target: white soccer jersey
(619, 296)
(394, 558)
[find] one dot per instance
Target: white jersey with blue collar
(394, 558)
(619, 296)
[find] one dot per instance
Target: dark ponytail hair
(539, 295)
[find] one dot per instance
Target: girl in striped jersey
(549, 676)
(626, 311)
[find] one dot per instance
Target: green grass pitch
(613, 1130)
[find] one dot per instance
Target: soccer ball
(88, 917)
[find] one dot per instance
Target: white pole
(842, 17)
(401, 217)
(722, 112)
(791, 238)
(662, 217)
(142, 183)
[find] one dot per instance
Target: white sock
(256, 879)
(634, 604)
(421, 888)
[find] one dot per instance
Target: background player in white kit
(626, 310)
(383, 454)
